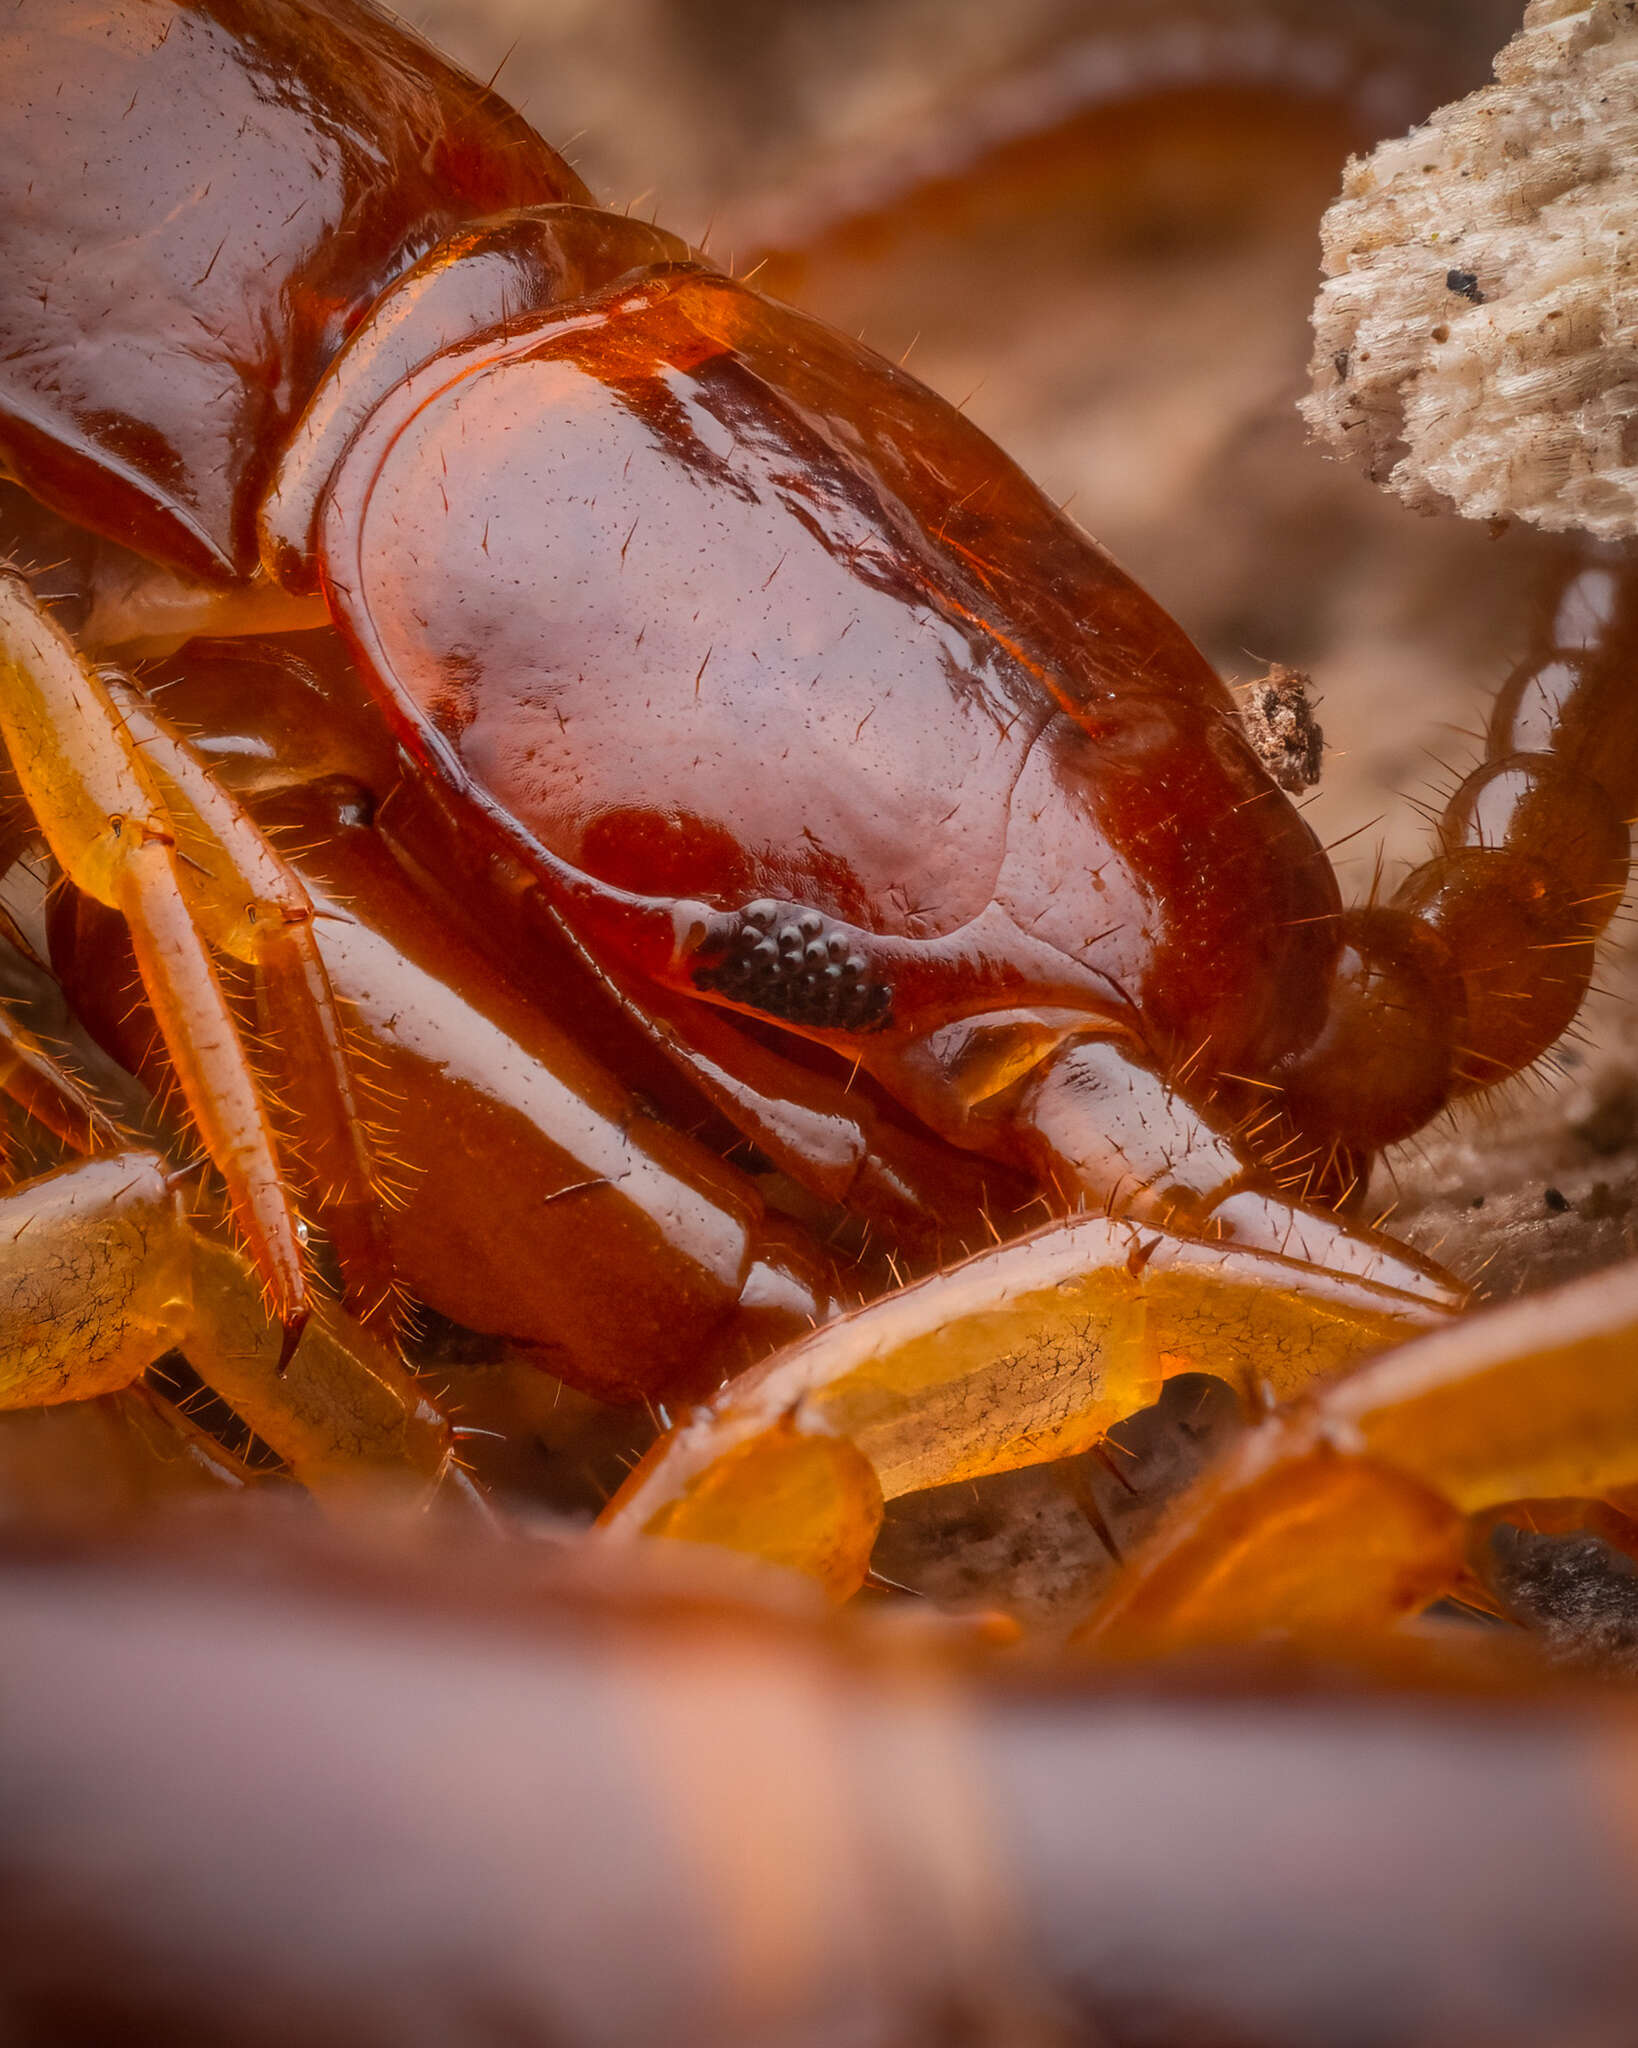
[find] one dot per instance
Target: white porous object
(1477, 341)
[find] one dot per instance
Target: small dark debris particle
(1279, 721)
(1464, 282)
(1555, 1201)
(1339, 363)
(1477, 1202)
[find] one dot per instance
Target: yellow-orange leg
(1029, 1352)
(31, 1076)
(1349, 1513)
(38, 1082)
(95, 1279)
(102, 1272)
(101, 810)
(344, 1414)
(252, 906)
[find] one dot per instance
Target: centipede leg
(102, 1272)
(1350, 1513)
(1024, 1354)
(344, 1414)
(95, 1278)
(252, 906)
(104, 817)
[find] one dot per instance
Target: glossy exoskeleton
(721, 666)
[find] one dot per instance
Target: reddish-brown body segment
(740, 640)
(520, 1155)
(726, 608)
(734, 657)
(201, 202)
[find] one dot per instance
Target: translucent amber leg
(101, 1273)
(344, 1414)
(251, 905)
(39, 1083)
(95, 1279)
(102, 813)
(1351, 1510)
(1027, 1353)
(81, 1463)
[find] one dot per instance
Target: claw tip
(292, 1327)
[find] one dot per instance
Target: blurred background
(1095, 224)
